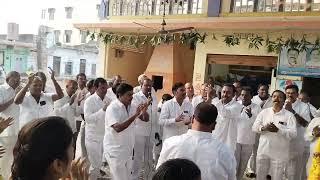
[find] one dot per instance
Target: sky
(26, 13)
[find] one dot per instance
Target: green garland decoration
(191, 38)
(256, 41)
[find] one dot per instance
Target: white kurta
(275, 145)
(314, 111)
(245, 133)
(118, 146)
(215, 160)
(8, 137)
(144, 136)
(94, 131)
(298, 143)
(169, 112)
(30, 109)
(7, 93)
(263, 104)
(63, 109)
(227, 123)
(111, 95)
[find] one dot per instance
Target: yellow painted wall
(213, 46)
(129, 66)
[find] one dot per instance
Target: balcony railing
(243, 6)
(155, 7)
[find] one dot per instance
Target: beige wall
(129, 66)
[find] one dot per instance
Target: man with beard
(176, 113)
(276, 127)
(228, 116)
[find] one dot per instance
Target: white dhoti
(266, 165)
(242, 155)
(143, 157)
(95, 153)
(295, 167)
(81, 151)
(120, 169)
(253, 157)
(8, 143)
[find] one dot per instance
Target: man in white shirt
(277, 127)
(119, 135)
(145, 132)
(94, 114)
(189, 91)
(215, 160)
(68, 107)
(111, 93)
(305, 97)
(298, 146)
(246, 137)
(80, 142)
(8, 109)
(36, 104)
(207, 94)
(176, 113)
(82, 92)
(263, 99)
(228, 116)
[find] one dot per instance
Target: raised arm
(59, 93)
(22, 93)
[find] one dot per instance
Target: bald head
(71, 87)
(141, 78)
(13, 79)
(189, 89)
(117, 79)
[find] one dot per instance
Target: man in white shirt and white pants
(8, 109)
(119, 136)
(299, 148)
(277, 127)
(263, 100)
(246, 137)
(176, 113)
(145, 132)
(68, 107)
(215, 160)
(228, 117)
(94, 113)
(35, 103)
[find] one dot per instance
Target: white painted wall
(74, 56)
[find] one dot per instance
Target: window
(82, 66)
(43, 13)
(51, 12)
(83, 36)
(67, 36)
(56, 65)
(98, 9)
(69, 11)
(57, 36)
(93, 69)
(68, 68)
(242, 6)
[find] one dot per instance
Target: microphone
(150, 97)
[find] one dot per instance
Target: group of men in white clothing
(224, 130)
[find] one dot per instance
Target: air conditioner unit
(13, 31)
